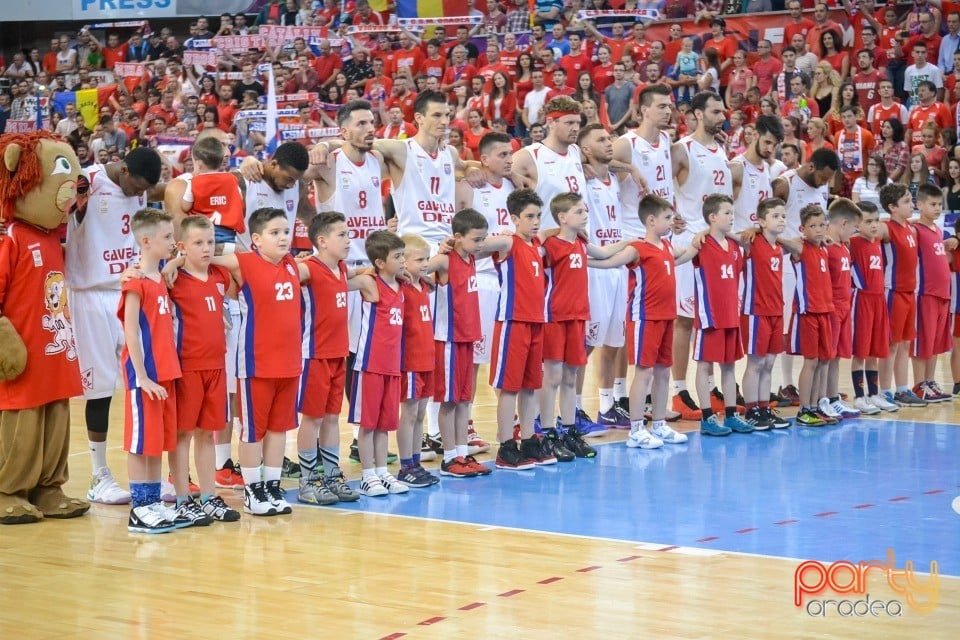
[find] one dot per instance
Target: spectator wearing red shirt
(327, 63)
(726, 46)
(797, 23)
(853, 144)
(928, 109)
(677, 9)
(602, 74)
(305, 78)
(560, 86)
(433, 64)
(492, 66)
(396, 128)
(832, 51)
(928, 35)
(503, 100)
(934, 153)
(114, 52)
(674, 44)
(409, 56)
(821, 23)
(867, 80)
(386, 53)
(616, 43)
(50, 58)
(226, 107)
(459, 73)
(870, 39)
(166, 110)
(495, 20)
(575, 61)
(402, 97)
(766, 68)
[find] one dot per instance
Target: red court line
(670, 548)
(591, 568)
(747, 530)
(825, 514)
(900, 499)
(471, 606)
(866, 505)
(707, 539)
(629, 558)
(550, 580)
(782, 522)
(511, 593)
(430, 621)
(932, 491)
(393, 636)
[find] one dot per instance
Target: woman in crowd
(894, 150)
(867, 187)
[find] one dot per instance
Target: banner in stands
(125, 9)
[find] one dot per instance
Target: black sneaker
(434, 442)
(756, 417)
(412, 479)
(275, 493)
(509, 457)
(533, 448)
(573, 441)
(776, 420)
(740, 400)
(354, 451)
(553, 442)
(191, 512)
(290, 469)
(217, 509)
(624, 403)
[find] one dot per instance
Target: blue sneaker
(537, 427)
(614, 419)
(587, 427)
(712, 427)
(738, 424)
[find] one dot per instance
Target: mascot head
(39, 175)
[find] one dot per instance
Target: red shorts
(202, 400)
(721, 346)
(321, 387)
(453, 375)
(842, 331)
(761, 335)
(650, 343)
(267, 404)
(417, 385)
(375, 401)
(811, 336)
(871, 326)
(517, 356)
(956, 324)
(150, 425)
(902, 310)
(933, 327)
(566, 341)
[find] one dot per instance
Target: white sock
(250, 475)
(711, 383)
(381, 471)
(619, 388)
(463, 451)
(659, 424)
(369, 473)
(606, 400)
(678, 386)
(449, 455)
(98, 454)
(356, 431)
(271, 473)
(580, 401)
(433, 424)
(222, 452)
(636, 425)
(786, 370)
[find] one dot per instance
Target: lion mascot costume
(39, 175)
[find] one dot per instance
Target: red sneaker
(229, 477)
(481, 469)
(458, 468)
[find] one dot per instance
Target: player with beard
(751, 173)
(699, 169)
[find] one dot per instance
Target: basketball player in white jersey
(648, 148)
(808, 184)
(496, 163)
(279, 183)
(607, 289)
(100, 247)
(699, 169)
(751, 173)
(554, 166)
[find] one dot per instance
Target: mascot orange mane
(39, 177)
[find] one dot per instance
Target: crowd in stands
(886, 99)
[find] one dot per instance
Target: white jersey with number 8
(357, 195)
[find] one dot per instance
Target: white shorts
(608, 307)
(685, 288)
(99, 335)
(231, 317)
(354, 305)
(488, 287)
(789, 287)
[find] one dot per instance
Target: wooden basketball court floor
(691, 541)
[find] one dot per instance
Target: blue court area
(848, 492)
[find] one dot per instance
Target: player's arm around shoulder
(680, 256)
(367, 287)
(624, 256)
(793, 246)
(679, 162)
(609, 250)
(622, 154)
(393, 152)
(498, 247)
(231, 263)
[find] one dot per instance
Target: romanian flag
(88, 102)
(429, 8)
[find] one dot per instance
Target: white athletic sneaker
(845, 410)
(105, 490)
(256, 500)
(372, 486)
(827, 409)
(880, 402)
(392, 484)
(865, 407)
(643, 439)
(668, 435)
